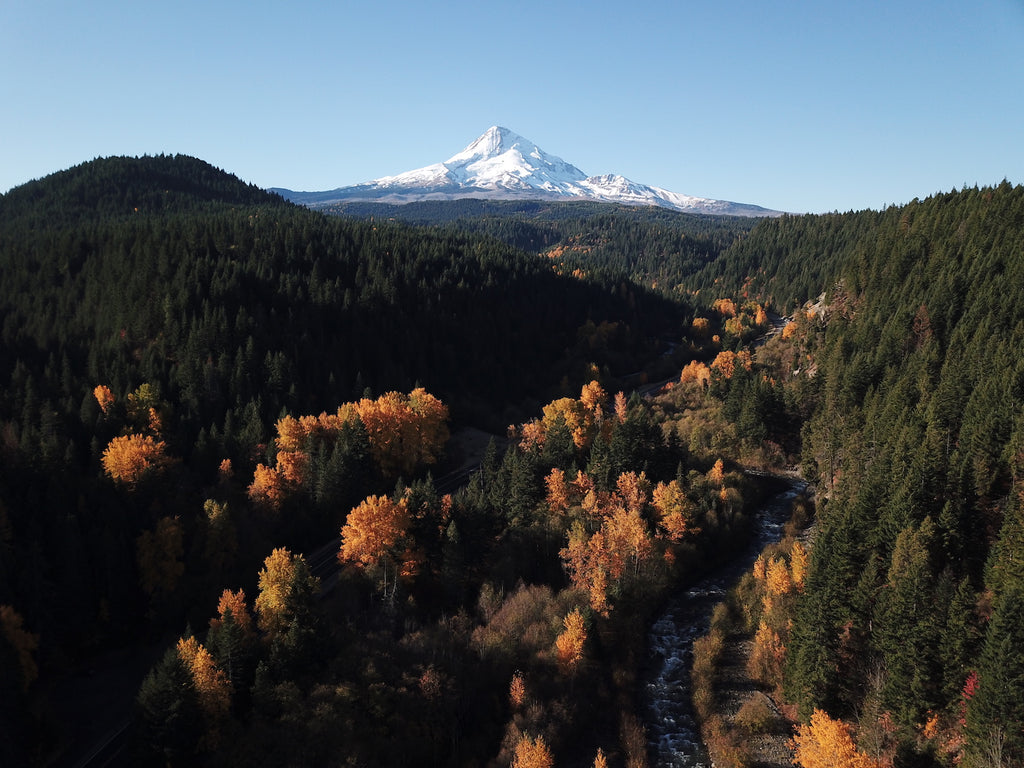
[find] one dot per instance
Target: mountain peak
(495, 141)
(501, 164)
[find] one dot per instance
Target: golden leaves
(275, 583)
(128, 459)
(373, 529)
(104, 397)
(827, 743)
(569, 644)
(532, 753)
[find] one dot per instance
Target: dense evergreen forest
(655, 247)
(902, 643)
(200, 381)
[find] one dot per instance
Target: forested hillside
(653, 247)
(160, 317)
(909, 625)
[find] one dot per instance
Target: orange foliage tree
(374, 535)
(696, 372)
(213, 689)
(726, 361)
(827, 743)
(532, 753)
(558, 491)
(104, 397)
(130, 458)
(620, 546)
(798, 564)
(268, 488)
(725, 307)
(236, 604)
(211, 683)
(569, 643)
(404, 430)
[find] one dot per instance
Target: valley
(200, 380)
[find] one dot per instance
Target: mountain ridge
(502, 165)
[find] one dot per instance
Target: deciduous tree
(569, 643)
(827, 743)
(532, 753)
(130, 458)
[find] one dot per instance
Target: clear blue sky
(799, 106)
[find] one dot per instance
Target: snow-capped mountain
(501, 165)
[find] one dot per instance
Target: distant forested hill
(654, 247)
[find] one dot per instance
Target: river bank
(674, 725)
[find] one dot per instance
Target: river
(672, 729)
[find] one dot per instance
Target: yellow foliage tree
(275, 585)
(569, 643)
(675, 510)
(213, 689)
(577, 419)
(130, 458)
(404, 430)
(767, 656)
(696, 372)
(777, 579)
(532, 753)
(716, 476)
(827, 743)
(621, 407)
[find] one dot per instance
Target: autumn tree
(827, 743)
(231, 640)
(569, 643)
(675, 510)
(557, 491)
(104, 397)
(129, 459)
(405, 431)
(374, 533)
(286, 588)
(212, 686)
(696, 372)
(532, 753)
(235, 604)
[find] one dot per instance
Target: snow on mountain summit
(501, 164)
